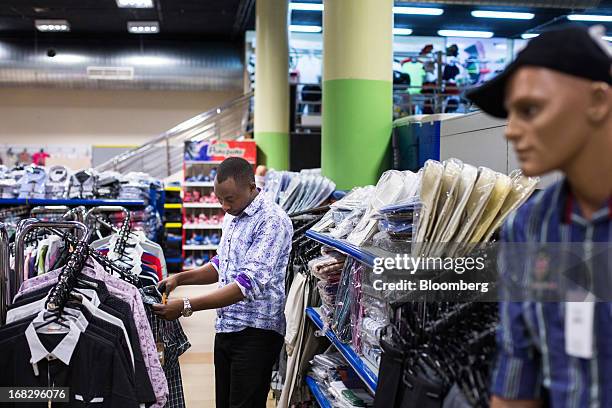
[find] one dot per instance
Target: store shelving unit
(317, 393)
(202, 219)
(367, 373)
(172, 225)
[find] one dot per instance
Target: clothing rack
(4, 270)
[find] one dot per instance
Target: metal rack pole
(25, 228)
(4, 272)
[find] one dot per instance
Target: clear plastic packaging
(502, 188)
(431, 183)
(522, 188)
(469, 175)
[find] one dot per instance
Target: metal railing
(163, 156)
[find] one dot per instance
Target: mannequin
(559, 118)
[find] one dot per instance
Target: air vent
(562, 4)
(111, 73)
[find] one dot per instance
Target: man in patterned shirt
(557, 96)
(250, 271)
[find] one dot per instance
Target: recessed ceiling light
(589, 17)
(402, 31)
(52, 25)
(465, 33)
(143, 27)
(305, 28)
(422, 11)
(502, 14)
(528, 36)
(135, 3)
(306, 6)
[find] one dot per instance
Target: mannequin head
(555, 119)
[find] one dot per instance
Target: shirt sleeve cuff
(246, 286)
(215, 262)
(516, 378)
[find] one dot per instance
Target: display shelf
(201, 205)
(202, 226)
(174, 260)
(363, 255)
(361, 367)
(317, 393)
(199, 184)
(173, 206)
(174, 239)
(173, 225)
(173, 188)
(200, 247)
(68, 202)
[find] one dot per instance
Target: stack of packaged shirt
(58, 181)
(339, 384)
(108, 184)
(136, 186)
(32, 183)
(8, 181)
(328, 269)
(82, 185)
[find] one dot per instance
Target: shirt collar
(571, 210)
(255, 204)
(63, 351)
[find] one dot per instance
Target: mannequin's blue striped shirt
(531, 335)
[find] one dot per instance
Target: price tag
(579, 318)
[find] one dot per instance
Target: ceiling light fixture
(402, 31)
(135, 3)
(67, 58)
(420, 11)
(465, 33)
(607, 38)
(52, 25)
(529, 36)
(305, 28)
(589, 17)
(143, 27)
(149, 60)
(502, 14)
(306, 6)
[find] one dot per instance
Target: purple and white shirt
(254, 252)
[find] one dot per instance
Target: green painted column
(272, 84)
(357, 90)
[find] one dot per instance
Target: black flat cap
(574, 50)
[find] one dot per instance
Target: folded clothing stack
(32, 183)
(136, 186)
(328, 269)
(108, 185)
(338, 382)
(83, 185)
(8, 181)
(398, 220)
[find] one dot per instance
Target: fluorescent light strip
(502, 14)
(52, 25)
(589, 17)
(607, 38)
(143, 27)
(419, 11)
(464, 33)
(529, 36)
(402, 31)
(305, 28)
(135, 3)
(306, 6)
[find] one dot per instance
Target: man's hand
(168, 285)
(171, 310)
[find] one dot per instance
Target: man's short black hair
(236, 168)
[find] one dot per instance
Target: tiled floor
(197, 365)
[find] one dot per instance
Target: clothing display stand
(173, 228)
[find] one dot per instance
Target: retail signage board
(219, 150)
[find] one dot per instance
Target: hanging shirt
(39, 158)
(253, 253)
(531, 335)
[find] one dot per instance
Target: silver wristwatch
(187, 311)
